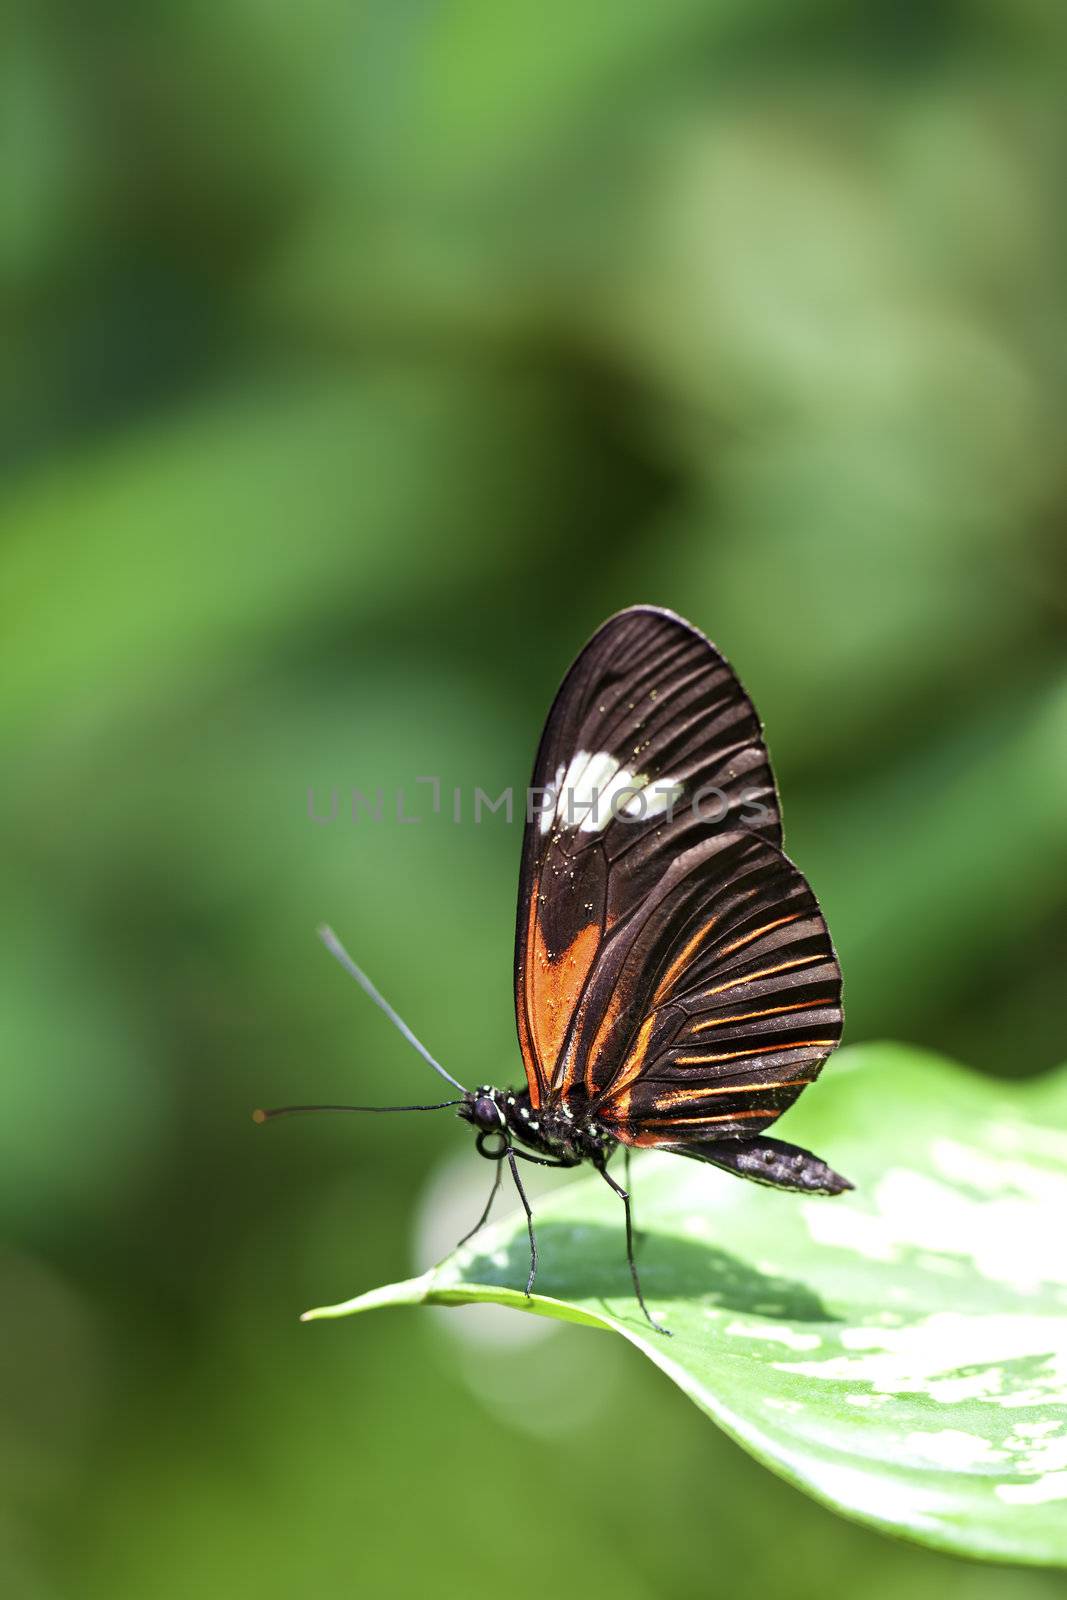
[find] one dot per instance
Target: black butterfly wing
(651, 746)
(714, 1006)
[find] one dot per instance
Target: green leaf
(900, 1353)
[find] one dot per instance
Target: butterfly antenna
(338, 951)
(289, 1111)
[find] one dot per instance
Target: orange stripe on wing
(553, 987)
(615, 1008)
(679, 1097)
(619, 1097)
(522, 1006)
(649, 1137)
(757, 933)
(765, 972)
(733, 1116)
(759, 1050)
(771, 1011)
(681, 961)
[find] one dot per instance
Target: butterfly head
(483, 1108)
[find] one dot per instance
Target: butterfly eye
(487, 1113)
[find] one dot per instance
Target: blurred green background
(359, 359)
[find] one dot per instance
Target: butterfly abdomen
(769, 1161)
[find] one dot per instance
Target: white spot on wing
(594, 789)
(550, 800)
(588, 785)
(625, 783)
(654, 798)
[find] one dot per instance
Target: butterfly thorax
(556, 1132)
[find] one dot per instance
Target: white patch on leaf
(775, 1333)
(953, 1448)
(1008, 1238)
(1053, 1486)
(998, 1175)
(1029, 1140)
(931, 1357)
(874, 1494)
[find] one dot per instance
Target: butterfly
(676, 987)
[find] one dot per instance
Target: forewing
(712, 1006)
(650, 746)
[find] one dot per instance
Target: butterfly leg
(624, 1196)
(536, 1161)
(484, 1218)
(529, 1220)
(541, 1161)
(638, 1235)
